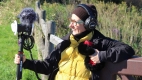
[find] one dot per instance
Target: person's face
(76, 25)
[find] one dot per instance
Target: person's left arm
(112, 51)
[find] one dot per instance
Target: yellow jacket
(71, 65)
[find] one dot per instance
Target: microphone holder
(20, 53)
(25, 42)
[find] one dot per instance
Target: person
(81, 51)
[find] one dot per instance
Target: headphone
(90, 22)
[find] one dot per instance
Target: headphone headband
(87, 9)
(90, 22)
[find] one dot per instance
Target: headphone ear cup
(86, 24)
(90, 23)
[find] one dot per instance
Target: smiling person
(83, 52)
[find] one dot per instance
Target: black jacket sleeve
(46, 66)
(113, 51)
(50, 63)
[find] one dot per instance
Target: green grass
(8, 48)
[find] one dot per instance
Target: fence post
(41, 31)
(51, 30)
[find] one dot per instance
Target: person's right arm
(44, 67)
(49, 64)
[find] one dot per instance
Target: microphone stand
(20, 53)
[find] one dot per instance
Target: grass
(8, 48)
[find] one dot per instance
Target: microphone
(27, 18)
(25, 29)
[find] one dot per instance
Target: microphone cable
(28, 45)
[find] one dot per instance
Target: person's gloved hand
(90, 65)
(86, 48)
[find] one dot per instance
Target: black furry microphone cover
(27, 16)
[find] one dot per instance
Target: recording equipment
(90, 22)
(25, 29)
(27, 18)
(25, 38)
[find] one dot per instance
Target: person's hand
(86, 48)
(17, 59)
(92, 61)
(95, 57)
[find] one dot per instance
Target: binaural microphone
(27, 18)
